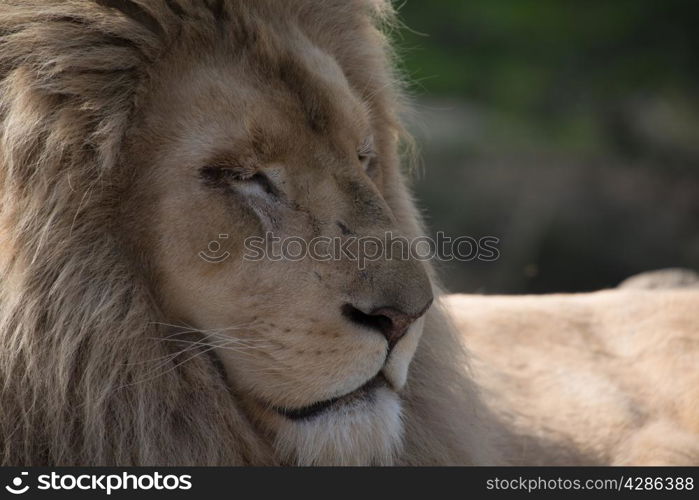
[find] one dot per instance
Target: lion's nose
(392, 322)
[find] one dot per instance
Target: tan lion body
(610, 377)
(133, 133)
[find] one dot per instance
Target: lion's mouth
(361, 393)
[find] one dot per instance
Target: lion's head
(137, 134)
(268, 134)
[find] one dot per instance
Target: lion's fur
(80, 326)
(611, 377)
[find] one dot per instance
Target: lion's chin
(364, 430)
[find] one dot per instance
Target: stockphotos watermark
(104, 483)
(359, 249)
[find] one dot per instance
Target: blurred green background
(569, 130)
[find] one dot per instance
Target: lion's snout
(391, 322)
(397, 295)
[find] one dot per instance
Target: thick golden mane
(78, 328)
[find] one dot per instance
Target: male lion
(138, 137)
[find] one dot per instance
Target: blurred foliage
(572, 67)
(570, 130)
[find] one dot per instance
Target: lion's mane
(77, 321)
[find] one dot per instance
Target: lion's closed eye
(366, 155)
(238, 178)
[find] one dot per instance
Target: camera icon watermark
(16, 487)
(213, 253)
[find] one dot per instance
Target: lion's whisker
(193, 344)
(167, 371)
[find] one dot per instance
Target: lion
(599, 378)
(144, 142)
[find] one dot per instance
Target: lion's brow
(314, 99)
